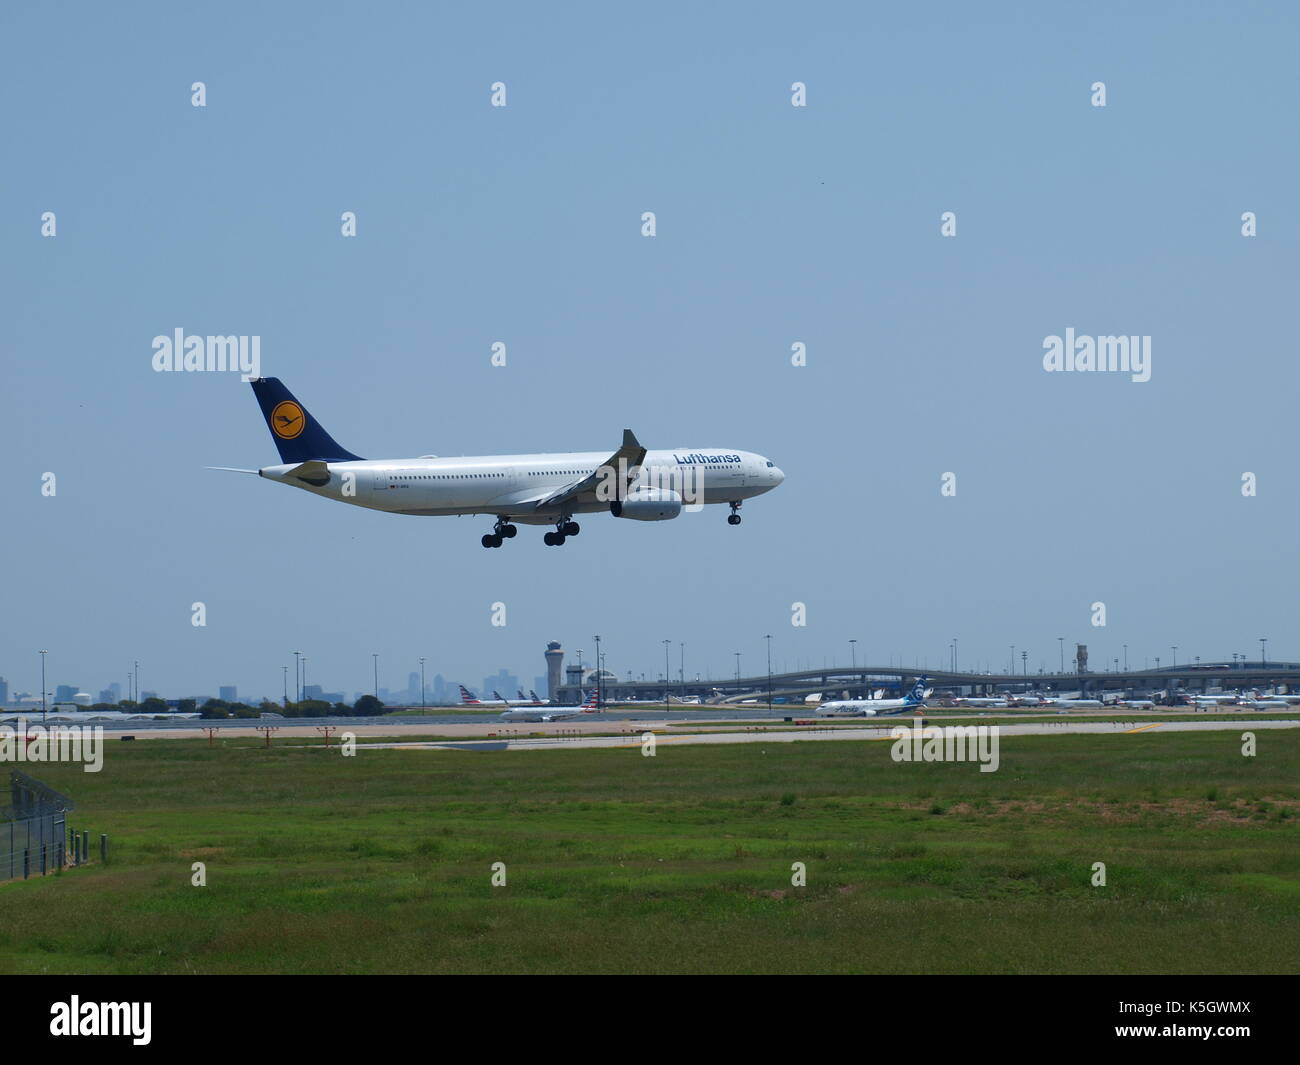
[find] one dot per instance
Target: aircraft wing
(625, 462)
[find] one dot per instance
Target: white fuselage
(865, 707)
(509, 484)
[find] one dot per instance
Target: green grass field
(678, 863)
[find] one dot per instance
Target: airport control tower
(554, 676)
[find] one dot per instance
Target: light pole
(1060, 643)
(137, 683)
(1024, 662)
(304, 672)
(737, 653)
(853, 654)
(297, 682)
(43, 654)
(1174, 648)
(422, 682)
(1126, 658)
(1263, 655)
(599, 669)
(768, 638)
(666, 674)
(681, 664)
(954, 654)
(375, 656)
(285, 671)
(1012, 670)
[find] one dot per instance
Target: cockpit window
(770, 465)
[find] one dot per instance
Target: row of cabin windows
(539, 473)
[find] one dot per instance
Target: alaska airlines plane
(914, 700)
(546, 489)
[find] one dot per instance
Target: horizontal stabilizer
(314, 473)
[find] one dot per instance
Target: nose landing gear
(734, 517)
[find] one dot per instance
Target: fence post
(85, 845)
(103, 846)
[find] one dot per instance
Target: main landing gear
(563, 528)
(734, 518)
(501, 532)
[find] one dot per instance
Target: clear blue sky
(776, 225)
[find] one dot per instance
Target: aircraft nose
(778, 475)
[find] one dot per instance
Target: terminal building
(859, 681)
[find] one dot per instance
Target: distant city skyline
(441, 689)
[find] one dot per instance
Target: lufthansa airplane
(530, 489)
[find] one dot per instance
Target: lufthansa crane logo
(288, 420)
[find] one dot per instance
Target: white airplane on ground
(544, 489)
(1071, 704)
(1258, 701)
(914, 700)
(1137, 704)
(468, 698)
(559, 713)
(1211, 701)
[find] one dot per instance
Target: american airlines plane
(546, 489)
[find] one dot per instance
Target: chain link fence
(33, 829)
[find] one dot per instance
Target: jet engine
(648, 504)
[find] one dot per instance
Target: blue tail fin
(917, 694)
(297, 434)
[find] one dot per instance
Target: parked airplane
(537, 701)
(543, 489)
(915, 699)
(1258, 701)
(468, 698)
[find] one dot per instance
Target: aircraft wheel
(549, 539)
(733, 519)
(509, 532)
(571, 528)
(558, 539)
(487, 540)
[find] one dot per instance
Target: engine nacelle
(648, 504)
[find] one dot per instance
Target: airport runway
(876, 732)
(751, 722)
